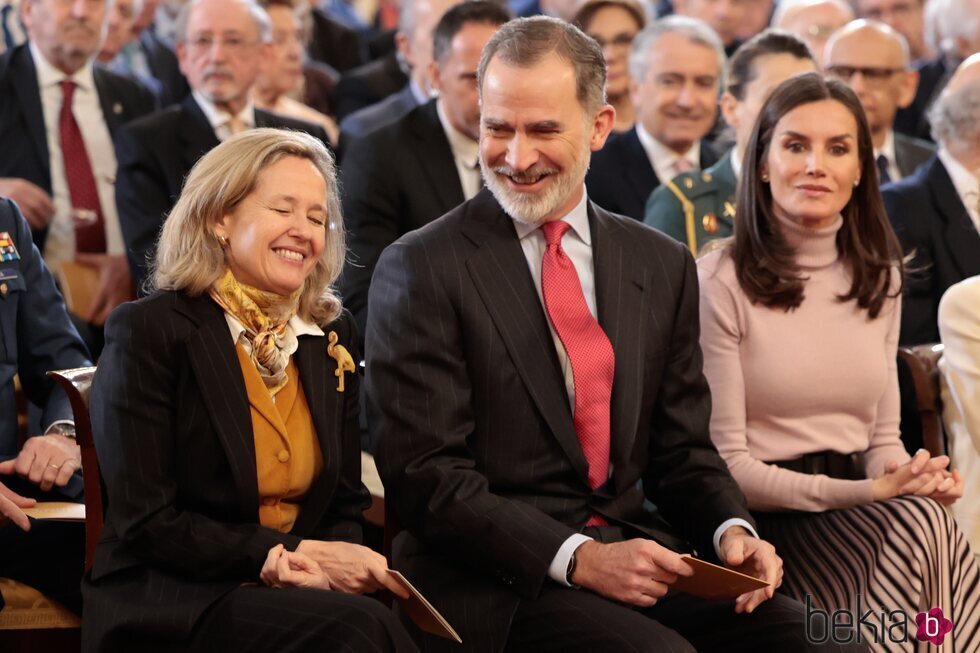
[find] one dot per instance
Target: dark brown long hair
(765, 263)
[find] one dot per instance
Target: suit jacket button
(282, 456)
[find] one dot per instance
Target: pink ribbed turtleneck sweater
(783, 384)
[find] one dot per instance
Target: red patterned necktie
(589, 352)
(86, 210)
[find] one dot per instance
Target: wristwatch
(570, 571)
(64, 428)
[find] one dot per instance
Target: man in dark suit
(873, 59)
(523, 426)
(936, 211)
(157, 152)
(332, 42)
(416, 23)
(59, 114)
(36, 335)
(676, 65)
(407, 174)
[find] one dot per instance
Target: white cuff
(559, 564)
(52, 427)
(725, 525)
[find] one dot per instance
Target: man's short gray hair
(956, 116)
(956, 19)
(694, 30)
(261, 18)
(526, 41)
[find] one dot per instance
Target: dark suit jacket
(22, 134)
(393, 180)
(375, 116)
(367, 84)
(478, 449)
(164, 66)
(154, 155)
(910, 153)
(333, 43)
(36, 334)
(931, 221)
(620, 177)
(933, 75)
(173, 430)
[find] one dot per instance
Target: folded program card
(57, 511)
(420, 611)
(715, 582)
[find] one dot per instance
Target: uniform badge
(8, 252)
(3, 290)
(710, 223)
(729, 210)
(345, 363)
(706, 177)
(688, 183)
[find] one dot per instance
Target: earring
(222, 241)
(764, 177)
(856, 182)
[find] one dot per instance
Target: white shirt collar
(464, 148)
(218, 118)
(577, 218)
(419, 93)
(966, 183)
(662, 158)
(888, 149)
(48, 75)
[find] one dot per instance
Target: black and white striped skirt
(882, 563)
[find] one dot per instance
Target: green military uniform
(695, 207)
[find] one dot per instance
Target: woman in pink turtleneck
(800, 318)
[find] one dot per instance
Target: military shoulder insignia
(8, 251)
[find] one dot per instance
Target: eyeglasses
(234, 45)
(873, 76)
(623, 40)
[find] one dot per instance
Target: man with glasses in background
(220, 46)
(874, 60)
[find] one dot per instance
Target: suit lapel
(499, 272)
(316, 373)
(222, 389)
(961, 235)
(195, 133)
(639, 172)
(112, 109)
(436, 156)
(622, 309)
(29, 96)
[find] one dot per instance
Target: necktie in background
(883, 176)
(86, 209)
(589, 352)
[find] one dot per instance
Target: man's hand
(351, 568)
(636, 571)
(11, 505)
(45, 460)
(746, 553)
(115, 285)
(34, 202)
(284, 568)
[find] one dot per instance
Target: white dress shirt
(60, 244)
(966, 183)
(577, 243)
(466, 154)
(219, 119)
(663, 159)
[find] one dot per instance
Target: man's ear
(728, 104)
(910, 84)
(602, 126)
(404, 46)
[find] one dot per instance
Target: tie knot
(554, 230)
(68, 90)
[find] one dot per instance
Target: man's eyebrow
(544, 125)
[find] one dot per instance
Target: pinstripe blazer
(173, 432)
(477, 444)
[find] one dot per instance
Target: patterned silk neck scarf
(264, 316)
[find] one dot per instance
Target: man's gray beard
(529, 208)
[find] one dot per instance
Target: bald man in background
(813, 20)
(907, 17)
(874, 60)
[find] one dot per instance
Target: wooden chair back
(76, 383)
(923, 362)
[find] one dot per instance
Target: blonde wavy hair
(190, 258)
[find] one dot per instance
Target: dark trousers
(295, 620)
